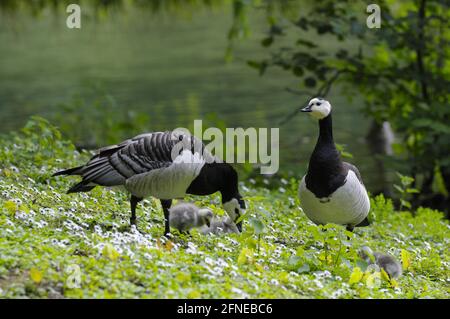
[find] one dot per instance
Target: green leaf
(304, 268)
(257, 225)
(260, 66)
(399, 189)
(36, 275)
(341, 149)
(254, 64)
(294, 260)
(245, 256)
(405, 203)
(438, 182)
(10, 206)
(267, 41)
(306, 43)
(109, 252)
(436, 126)
(385, 276)
(406, 259)
(194, 294)
(362, 264)
(356, 276)
(373, 280)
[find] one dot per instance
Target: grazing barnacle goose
(185, 216)
(332, 191)
(392, 267)
(165, 165)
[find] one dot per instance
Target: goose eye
(318, 103)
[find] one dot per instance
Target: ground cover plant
(80, 245)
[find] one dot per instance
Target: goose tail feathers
(70, 171)
(364, 223)
(81, 187)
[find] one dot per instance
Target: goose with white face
(235, 209)
(318, 108)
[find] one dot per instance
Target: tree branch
(322, 92)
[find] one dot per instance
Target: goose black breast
(323, 183)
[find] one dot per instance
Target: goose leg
(166, 203)
(350, 229)
(133, 203)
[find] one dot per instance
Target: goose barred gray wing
(354, 169)
(114, 165)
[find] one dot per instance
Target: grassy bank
(57, 245)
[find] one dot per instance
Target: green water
(172, 69)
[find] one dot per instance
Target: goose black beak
(239, 226)
(306, 109)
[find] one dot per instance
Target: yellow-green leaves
(166, 245)
(258, 225)
(246, 256)
(10, 206)
(384, 275)
(109, 252)
(406, 259)
(356, 276)
(194, 294)
(283, 277)
(7, 172)
(438, 182)
(382, 55)
(372, 279)
(183, 277)
(36, 275)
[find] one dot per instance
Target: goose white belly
(348, 205)
(167, 182)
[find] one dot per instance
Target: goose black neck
(325, 165)
(215, 177)
(326, 130)
(325, 158)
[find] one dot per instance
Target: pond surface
(173, 70)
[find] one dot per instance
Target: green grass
(46, 236)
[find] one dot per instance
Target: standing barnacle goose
(332, 191)
(165, 165)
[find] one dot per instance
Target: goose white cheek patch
(320, 111)
(231, 207)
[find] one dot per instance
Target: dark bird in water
(165, 165)
(332, 191)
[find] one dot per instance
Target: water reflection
(144, 73)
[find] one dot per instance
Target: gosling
(185, 216)
(390, 265)
(225, 225)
